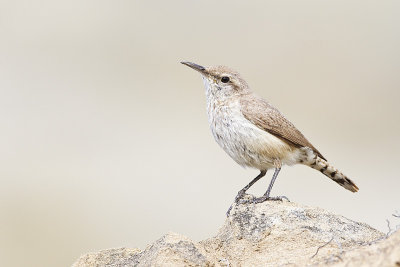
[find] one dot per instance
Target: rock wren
(254, 133)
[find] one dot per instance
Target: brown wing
(268, 118)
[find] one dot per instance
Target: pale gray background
(104, 136)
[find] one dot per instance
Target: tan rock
(383, 253)
(267, 234)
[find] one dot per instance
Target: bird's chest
(247, 144)
(227, 123)
(232, 131)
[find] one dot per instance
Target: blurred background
(104, 139)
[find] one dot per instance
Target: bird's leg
(271, 184)
(244, 189)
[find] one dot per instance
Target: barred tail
(323, 166)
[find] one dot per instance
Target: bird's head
(220, 80)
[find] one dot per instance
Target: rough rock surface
(266, 234)
(383, 253)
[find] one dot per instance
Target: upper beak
(194, 66)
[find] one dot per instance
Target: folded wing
(268, 118)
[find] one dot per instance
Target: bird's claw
(238, 199)
(256, 200)
(264, 198)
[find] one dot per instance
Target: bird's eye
(225, 79)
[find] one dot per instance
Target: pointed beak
(194, 66)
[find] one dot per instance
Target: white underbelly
(247, 144)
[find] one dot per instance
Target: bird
(255, 134)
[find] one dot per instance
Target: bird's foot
(228, 212)
(238, 198)
(264, 198)
(255, 200)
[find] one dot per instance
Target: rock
(383, 253)
(173, 250)
(109, 257)
(272, 233)
(170, 250)
(282, 233)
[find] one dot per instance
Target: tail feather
(323, 166)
